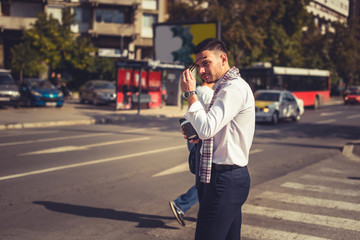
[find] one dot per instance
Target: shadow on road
(143, 220)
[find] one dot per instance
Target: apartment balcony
(113, 2)
(15, 23)
(112, 29)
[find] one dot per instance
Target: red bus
(310, 85)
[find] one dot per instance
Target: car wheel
(297, 116)
(28, 102)
(275, 118)
(95, 101)
(16, 105)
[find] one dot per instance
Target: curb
(348, 151)
(100, 120)
(11, 126)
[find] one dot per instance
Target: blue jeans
(187, 200)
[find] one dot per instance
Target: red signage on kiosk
(128, 78)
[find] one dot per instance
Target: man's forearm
(192, 99)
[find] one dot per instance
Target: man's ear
(223, 59)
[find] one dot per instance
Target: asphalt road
(114, 181)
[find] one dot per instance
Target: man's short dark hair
(211, 44)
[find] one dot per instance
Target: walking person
(227, 131)
(185, 201)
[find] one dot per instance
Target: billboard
(174, 43)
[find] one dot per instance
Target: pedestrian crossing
(300, 209)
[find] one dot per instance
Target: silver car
(98, 92)
(9, 91)
(273, 105)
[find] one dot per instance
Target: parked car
(98, 92)
(9, 92)
(273, 105)
(40, 92)
(352, 97)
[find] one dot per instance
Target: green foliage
(344, 52)
(280, 32)
(52, 43)
(104, 68)
(25, 60)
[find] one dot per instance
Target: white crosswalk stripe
(260, 233)
(308, 218)
(330, 179)
(269, 205)
(318, 188)
(309, 201)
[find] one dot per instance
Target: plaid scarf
(207, 144)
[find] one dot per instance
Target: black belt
(220, 167)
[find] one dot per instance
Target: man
(226, 130)
(185, 201)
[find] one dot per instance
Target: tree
(255, 30)
(344, 52)
(279, 32)
(52, 43)
(26, 61)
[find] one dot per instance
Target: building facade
(326, 12)
(117, 28)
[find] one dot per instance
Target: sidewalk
(74, 113)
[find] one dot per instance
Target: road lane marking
(307, 218)
(330, 179)
(255, 151)
(134, 130)
(317, 188)
(309, 201)
(274, 130)
(84, 147)
(325, 121)
(353, 116)
(105, 160)
(330, 170)
(184, 167)
(326, 114)
(23, 133)
(54, 139)
(260, 233)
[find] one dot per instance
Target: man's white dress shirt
(231, 121)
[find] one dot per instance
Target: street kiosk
(140, 83)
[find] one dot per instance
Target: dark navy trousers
(220, 203)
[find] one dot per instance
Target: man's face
(210, 68)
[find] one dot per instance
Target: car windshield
(104, 86)
(6, 80)
(355, 92)
(266, 96)
(41, 84)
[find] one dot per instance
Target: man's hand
(195, 141)
(188, 82)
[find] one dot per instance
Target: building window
(82, 15)
(149, 4)
(98, 15)
(108, 15)
(147, 25)
(119, 17)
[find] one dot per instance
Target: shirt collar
(231, 73)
